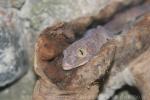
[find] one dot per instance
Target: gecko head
(74, 56)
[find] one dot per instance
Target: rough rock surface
(45, 12)
(12, 54)
(27, 16)
(12, 3)
(34, 15)
(21, 90)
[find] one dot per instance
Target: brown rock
(79, 83)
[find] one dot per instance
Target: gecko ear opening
(81, 52)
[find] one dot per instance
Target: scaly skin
(131, 63)
(80, 52)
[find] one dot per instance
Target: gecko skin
(81, 51)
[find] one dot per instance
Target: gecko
(84, 49)
(131, 68)
(81, 51)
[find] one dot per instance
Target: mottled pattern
(43, 13)
(124, 20)
(11, 3)
(132, 65)
(83, 50)
(95, 38)
(46, 12)
(12, 54)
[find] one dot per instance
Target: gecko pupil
(81, 52)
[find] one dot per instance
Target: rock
(46, 12)
(17, 3)
(35, 15)
(21, 90)
(124, 95)
(127, 93)
(56, 83)
(13, 61)
(12, 3)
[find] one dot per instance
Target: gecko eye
(81, 52)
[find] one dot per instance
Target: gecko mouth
(67, 66)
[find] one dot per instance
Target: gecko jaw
(67, 66)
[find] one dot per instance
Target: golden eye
(81, 52)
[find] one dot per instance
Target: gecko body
(81, 51)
